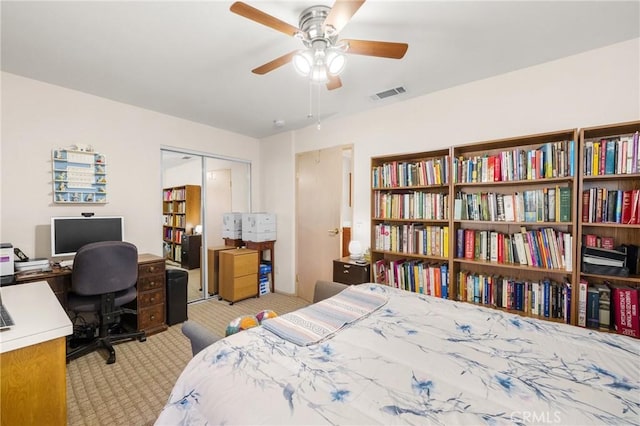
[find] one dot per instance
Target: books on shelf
(546, 298)
(414, 275)
(394, 174)
(412, 238)
(535, 205)
(613, 155)
(551, 160)
(543, 248)
(411, 205)
(602, 205)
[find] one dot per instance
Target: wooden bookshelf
(601, 179)
(410, 205)
(181, 213)
(508, 190)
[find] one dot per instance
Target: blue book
(610, 158)
(619, 206)
(572, 154)
(546, 298)
(593, 308)
(444, 282)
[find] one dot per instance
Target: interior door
(319, 195)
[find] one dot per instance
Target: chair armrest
(199, 336)
(326, 289)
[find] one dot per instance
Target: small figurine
(62, 187)
(59, 198)
(89, 198)
(76, 197)
(99, 158)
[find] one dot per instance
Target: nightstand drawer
(152, 268)
(346, 271)
(150, 282)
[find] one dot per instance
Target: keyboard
(5, 319)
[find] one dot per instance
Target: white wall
(594, 88)
(37, 117)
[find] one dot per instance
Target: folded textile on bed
(321, 320)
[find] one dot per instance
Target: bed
(409, 359)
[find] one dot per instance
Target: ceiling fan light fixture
(335, 61)
(319, 74)
(303, 62)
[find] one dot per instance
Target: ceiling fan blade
(341, 13)
(334, 82)
(276, 63)
(382, 49)
(260, 17)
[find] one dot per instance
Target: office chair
(103, 279)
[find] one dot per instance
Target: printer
(6, 264)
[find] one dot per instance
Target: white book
(494, 247)
(534, 299)
(582, 304)
(509, 211)
(522, 254)
(568, 254)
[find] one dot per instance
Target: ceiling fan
(318, 29)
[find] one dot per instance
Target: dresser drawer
(150, 317)
(245, 265)
(151, 268)
(146, 283)
(246, 286)
(150, 298)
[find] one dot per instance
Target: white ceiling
(193, 59)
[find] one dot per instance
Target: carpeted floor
(133, 390)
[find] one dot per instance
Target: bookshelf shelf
(513, 266)
(521, 182)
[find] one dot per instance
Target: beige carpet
(134, 389)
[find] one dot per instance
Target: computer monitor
(68, 234)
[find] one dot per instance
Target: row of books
(174, 194)
(434, 171)
(173, 220)
(602, 205)
(414, 275)
(174, 235)
(543, 248)
(551, 160)
(534, 205)
(411, 205)
(412, 238)
(607, 306)
(545, 298)
(616, 155)
(172, 252)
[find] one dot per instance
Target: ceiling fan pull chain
(310, 114)
(318, 105)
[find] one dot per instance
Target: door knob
(334, 231)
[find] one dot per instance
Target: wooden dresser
(238, 274)
(347, 271)
(151, 300)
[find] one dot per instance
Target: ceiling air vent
(388, 93)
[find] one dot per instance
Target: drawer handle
(152, 283)
(153, 317)
(151, 268)
(346, 266)
(153, 299)
(346, 271)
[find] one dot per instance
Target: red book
(469, 243)
(635, 206)
(590, 240)
(585, 206)
(497, 172)
(603, 154)
(625, 305)
(500, 247)
(626, 207)
(607, 243)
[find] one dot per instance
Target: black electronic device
(70, 233)
(20, 255)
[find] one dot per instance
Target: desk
(33, 379)
(150, 301)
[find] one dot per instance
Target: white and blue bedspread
(415, 360)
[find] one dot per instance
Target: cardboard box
(258, 237)
(232, 225)
(258, 227)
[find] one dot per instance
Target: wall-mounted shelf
(79, 177)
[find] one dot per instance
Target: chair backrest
(104, 267)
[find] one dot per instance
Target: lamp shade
(355, 250)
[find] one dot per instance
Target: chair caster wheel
(142, 339)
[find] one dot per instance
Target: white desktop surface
(37, 314)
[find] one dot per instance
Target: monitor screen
(68, 234)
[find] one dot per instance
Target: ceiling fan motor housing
(312, 26)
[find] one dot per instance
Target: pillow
(244, 322)
(265, 315)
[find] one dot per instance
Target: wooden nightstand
(347, 271)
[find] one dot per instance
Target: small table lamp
(355, 250)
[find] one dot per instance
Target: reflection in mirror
(193, 226)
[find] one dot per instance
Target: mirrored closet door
(197, 189)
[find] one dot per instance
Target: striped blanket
(322, 320)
